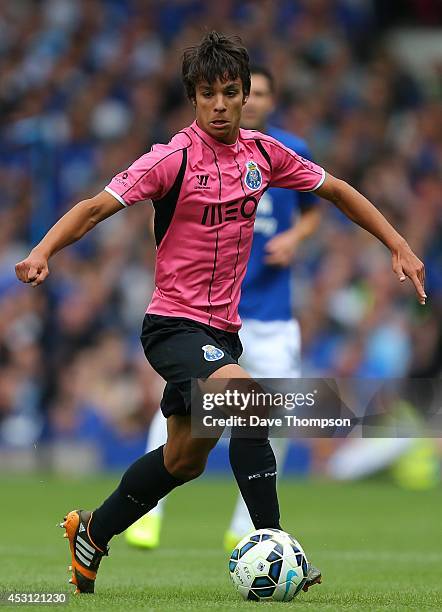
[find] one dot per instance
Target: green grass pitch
(378, 547)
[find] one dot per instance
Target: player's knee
(185, 468)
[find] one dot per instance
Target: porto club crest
(253, 178)
(212, 353)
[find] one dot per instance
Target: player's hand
(281, 249)
(34, 269)
(405, 263)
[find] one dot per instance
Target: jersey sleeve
(150, 177)
(292, 171)
(306, 199)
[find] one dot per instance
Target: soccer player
(269, 334)
(205, 185)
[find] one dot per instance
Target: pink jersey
(205, 195)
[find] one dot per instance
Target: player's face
(259, 104)
(218, 108)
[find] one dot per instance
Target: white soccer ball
(268, 564)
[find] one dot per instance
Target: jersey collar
(215, 144)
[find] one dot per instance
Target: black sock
(143, 484)
(254, 466)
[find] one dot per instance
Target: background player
(196, 298)
(269, 333)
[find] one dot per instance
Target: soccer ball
(268, 564)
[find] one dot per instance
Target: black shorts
(180, 349)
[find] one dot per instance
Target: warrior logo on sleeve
(253, 178)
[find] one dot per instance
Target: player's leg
(145, 533)
(413, 461)
(272, 350)
(176, 348)
(358, 458)
(241, 523)
(154, 475)
(144, 483)
(253, 464)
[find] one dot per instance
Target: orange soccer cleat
(86, 555)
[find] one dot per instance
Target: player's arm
(281, 248)
(71, 227)
(151, 176)
(360, 210)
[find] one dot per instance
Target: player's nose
(220, 104)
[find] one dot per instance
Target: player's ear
(244, 99)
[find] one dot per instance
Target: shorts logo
(253, 178)
(211, 353)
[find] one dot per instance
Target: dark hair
(265, 72)
(216, 57)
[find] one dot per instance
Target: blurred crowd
(86, 86)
